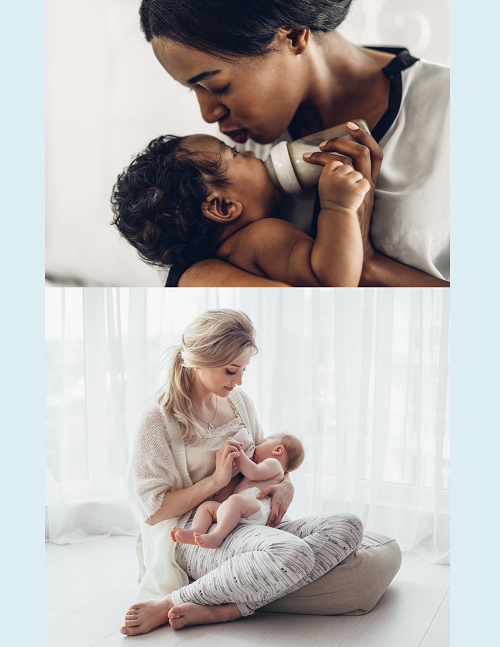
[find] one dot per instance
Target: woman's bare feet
(145, 616)
(207, 541)
(195, 614)
(182, 536)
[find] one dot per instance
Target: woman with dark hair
(264, 67)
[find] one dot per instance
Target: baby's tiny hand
(341, 186)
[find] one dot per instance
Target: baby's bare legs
(204, 517)
(236, 507)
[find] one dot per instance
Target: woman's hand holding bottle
(366, 159)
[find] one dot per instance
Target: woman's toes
(130, 631)
(177, 623)
(131, 623)
(175, 617)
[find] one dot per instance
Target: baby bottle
(289, 171)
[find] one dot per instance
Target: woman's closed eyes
(218, 93)
(233, 372)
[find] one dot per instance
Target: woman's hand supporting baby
(281, 498)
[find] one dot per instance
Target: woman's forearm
(215, 272)
(381, 271)
(178, 502)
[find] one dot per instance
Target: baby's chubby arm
(284, 253)
(269, 468)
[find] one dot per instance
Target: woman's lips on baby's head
(239, 136)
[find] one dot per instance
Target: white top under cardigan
(159, 464)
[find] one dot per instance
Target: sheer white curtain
(362, 376)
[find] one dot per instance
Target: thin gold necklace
(210, 426)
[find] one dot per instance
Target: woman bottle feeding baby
(266, 70)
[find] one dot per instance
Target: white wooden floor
(89, 586)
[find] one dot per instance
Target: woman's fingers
(231, 442)
(276, 515)
(363, 138)
(230, 445)
(265, 492)
(277, 519)
(323, 159)
(273, 515)
(364, 151)
(360, 155)
(230, 452)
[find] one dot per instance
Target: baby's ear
(278, 450)
(220, 209)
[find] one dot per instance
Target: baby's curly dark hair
(157, 202)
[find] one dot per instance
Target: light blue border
(22, 321)
(475, 322)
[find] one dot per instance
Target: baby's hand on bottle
(340, 186)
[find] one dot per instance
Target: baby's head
(286, 448)
(183, 196)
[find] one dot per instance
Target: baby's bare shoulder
(271, 227)
(262, 238)
(274, 464)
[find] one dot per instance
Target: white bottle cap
(284, 170)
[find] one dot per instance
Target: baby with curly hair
(185, 199)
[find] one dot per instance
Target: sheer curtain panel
(361, 376)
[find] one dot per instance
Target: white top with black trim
(411, 212)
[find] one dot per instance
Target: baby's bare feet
(182, 536)
(145, 616)
(207, 541)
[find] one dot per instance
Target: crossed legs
(253, 566)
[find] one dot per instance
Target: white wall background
(107, 97)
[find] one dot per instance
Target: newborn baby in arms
(278, 454)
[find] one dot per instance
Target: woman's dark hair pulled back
(236, 27)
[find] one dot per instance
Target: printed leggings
(255, 565)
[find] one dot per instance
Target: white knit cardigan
(159, 465)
